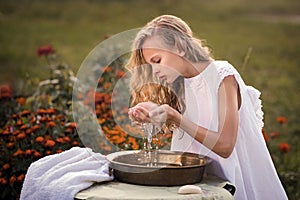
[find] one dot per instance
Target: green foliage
(35, 126)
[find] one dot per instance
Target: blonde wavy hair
(175, 34)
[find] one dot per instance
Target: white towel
(61, 176)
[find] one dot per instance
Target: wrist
(174, 116)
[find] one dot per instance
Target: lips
(162, 78)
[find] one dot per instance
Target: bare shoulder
(229, 81)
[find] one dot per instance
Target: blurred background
(260, 38)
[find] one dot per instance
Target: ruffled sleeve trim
(254, 96)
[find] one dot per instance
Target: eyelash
(156, 61)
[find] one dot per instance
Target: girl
(214, 113)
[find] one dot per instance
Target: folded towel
(61, 176)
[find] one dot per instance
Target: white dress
(249, 167)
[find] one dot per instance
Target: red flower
(5, 92)
(281, 120)
(284, 147)
(45, 50)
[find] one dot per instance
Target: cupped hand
(149, 112)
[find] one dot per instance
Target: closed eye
(155, 60)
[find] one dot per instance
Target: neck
(194, 69)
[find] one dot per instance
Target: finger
(141, 116)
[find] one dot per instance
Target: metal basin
(167, 168)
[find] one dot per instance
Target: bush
(42, 123)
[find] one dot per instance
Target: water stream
(150, 151)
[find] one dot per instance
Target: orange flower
(6, 166)
(12, 179)
(284, 147)
(36, 154)
(51, 111)
(6, 131)
(25, 112)
(66, 139)
(28, 152)
(14, 116)
(39, 139)
(60, 140)
(19, 123)
(43, 119)
(10, 145)
(28, 131)
(3, 181)
(281, 120)
(72, 125)
(68, 130)
(41, 112)
(32, 120)
(106, 85)
(100, 80)
(21, 101)
(107, 69)
(21, 136)
(23, 127)
(49, 143)
(75, 143)
(51, 124)
(16, 132)
(274, 134)
(20, 177)
(59, 151)
(35, 127)
(18, 153)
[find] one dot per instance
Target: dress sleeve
(225, 69)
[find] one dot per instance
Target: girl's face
(166, 65)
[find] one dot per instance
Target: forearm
(211, 139)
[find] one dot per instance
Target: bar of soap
(189, 189)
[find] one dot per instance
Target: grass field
(269, 30)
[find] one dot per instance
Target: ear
(181, 53)
(180, 48)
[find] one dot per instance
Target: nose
(155, 69)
